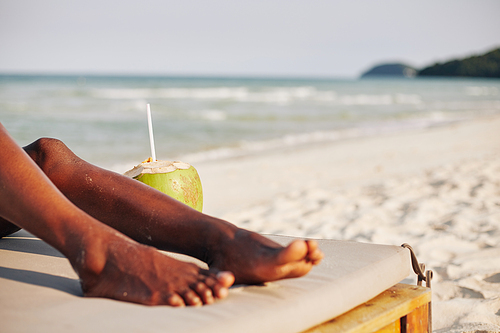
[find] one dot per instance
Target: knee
(43, 147)
(45, 151)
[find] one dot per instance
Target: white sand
(436, 189)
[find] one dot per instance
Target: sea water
(103, 119)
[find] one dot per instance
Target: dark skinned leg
(153, 218)
(7, 228)
(108, 263)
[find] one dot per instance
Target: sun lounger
(355, 289)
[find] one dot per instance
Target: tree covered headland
(486, 65)
(394, 69)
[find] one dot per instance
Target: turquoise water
(103, 119)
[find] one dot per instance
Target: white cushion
(39, 292)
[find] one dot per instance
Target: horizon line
(175, 75)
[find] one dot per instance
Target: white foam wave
(245, 148)
(292, 140)
(173, 93)
(213, 115)
(482, 91)
(385, 99)
(275, 95)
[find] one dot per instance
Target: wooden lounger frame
(402, 308)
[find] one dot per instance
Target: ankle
(89, 253)
(219, 240)
(92, 258)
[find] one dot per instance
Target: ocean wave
(482, 91)
(294, 140)
(384, 99)
(275, 95)
(212, 115)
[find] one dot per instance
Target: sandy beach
(437, 189)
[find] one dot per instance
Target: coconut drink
(176, 179)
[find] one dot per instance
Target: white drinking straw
(151, 138)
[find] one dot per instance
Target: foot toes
(295, 251)
(191, 298)
(204, 292)
(316, 257)
(218, 290)
(314, 254)
(226, 279)
(175, 300)
(312, 245)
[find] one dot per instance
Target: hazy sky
(272, 37)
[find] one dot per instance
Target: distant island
(486, 65)
(395, 69)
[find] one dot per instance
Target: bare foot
(254, 259)
(140, 274)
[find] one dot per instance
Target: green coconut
(176, 179)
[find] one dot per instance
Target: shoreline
(437, 189)
(243, 181)
(303, 140)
